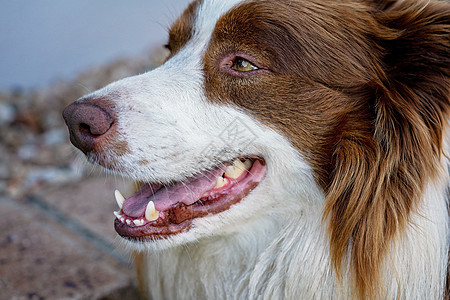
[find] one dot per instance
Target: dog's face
(234, 87)
(207, 112)
(269, 110)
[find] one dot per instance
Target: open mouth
(157, 211)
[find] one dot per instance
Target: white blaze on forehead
(208, 13)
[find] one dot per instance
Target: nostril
(94, 129)
(86, 129)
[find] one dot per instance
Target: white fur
(271, 245)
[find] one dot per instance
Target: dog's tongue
(186, 192)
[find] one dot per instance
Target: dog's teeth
(235, 171)
(151, 213)
(220, 182)
(116, 213)
(139, 222)
(248, 163)
(119, 198)
(128, 221)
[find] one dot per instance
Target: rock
(55, 136)
(27, 152)
(7, 113)
(52, 175)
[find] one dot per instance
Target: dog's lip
(178, 217)
(149, 231)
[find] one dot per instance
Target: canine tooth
(128, 221)
(248, 163)
(151, 213)
(138, 222)
(119, 198)
(116, 213)
(233, 172)
(122, 219)
(236, 170)
(220, 182)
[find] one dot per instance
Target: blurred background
(57, 239)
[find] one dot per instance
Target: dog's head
(267, 111)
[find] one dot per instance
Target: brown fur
(362, 90)
(181, 31)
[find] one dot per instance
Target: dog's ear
(378, 179)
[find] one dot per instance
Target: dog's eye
(242, 65)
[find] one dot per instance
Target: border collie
(285, 150)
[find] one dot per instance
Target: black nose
(88, 123)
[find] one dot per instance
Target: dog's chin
(159, 216)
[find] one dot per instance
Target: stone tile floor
(59, 244)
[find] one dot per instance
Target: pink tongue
(186, 192)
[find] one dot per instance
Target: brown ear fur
(378, 181)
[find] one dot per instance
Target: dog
(286, 150)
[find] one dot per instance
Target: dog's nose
(88, 123)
